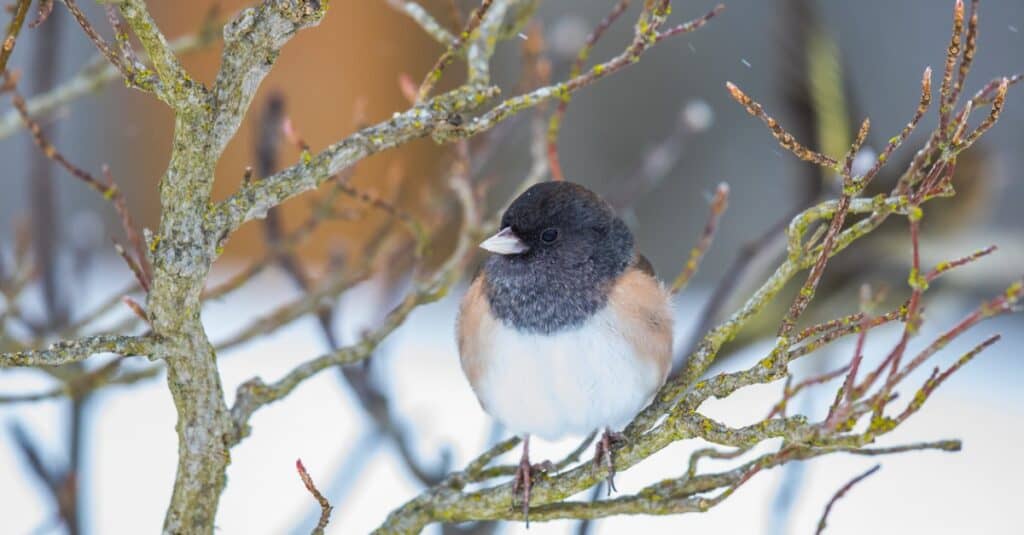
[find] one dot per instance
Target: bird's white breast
(571, 382)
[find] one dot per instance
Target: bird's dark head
(559, 248)
(563, 225)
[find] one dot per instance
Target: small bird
(565, 330)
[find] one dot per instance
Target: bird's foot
(526, 475)
(603, 454)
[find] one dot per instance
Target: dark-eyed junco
(565, 330)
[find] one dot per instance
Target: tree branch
(325, 506)
(67, 351)
(177, 86)
(255, 199)
(842, 492)
(13, 29)
(252, 42)
(430, 25)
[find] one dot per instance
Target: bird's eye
(549, 235)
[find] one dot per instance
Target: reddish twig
(140, 263)
(785, 139)
(946, 266)
(845, 394)
(97, 40)
(999, 305)
(42, 13)
(970, 48)
(136, 308)
(690, 25)
(325, 506)
(556, 119)
(718, 206)
(997, 107)
(145, 270)
(807, 291)
(842, 492)
(51, 152)
(922, 106)
(790, 391)
(937, 378)
(134, 266)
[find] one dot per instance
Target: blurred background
(655, 139)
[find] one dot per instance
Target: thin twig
(840, 493)
(718, 205)
(434, 75)
(13, 29)
(555, 123)
(325, 506)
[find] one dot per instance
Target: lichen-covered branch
(424, 19)
(64, 352)
(252, 42)
(171, 74)
(256, 198)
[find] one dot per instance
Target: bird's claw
(522, 485)
(610, 440)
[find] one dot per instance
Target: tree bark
(182, 253)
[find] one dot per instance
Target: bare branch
(784, 138)
(252, 41)
(78, 350)
(178, 87)
(13, 29)
(51, 152)
(424, 19)
(42, 13)
(948, 92)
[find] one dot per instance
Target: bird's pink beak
(505, 242)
